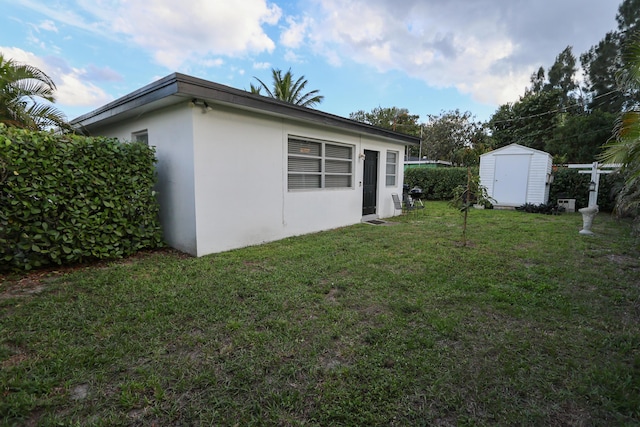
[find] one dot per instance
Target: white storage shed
(515, 175)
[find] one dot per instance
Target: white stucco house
(514, 175)
(237, 169)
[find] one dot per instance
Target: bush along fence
(70, 198)
(437, 183)
(440, 183)
(569, 184)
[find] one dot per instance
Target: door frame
(370, 201)
(511, 170)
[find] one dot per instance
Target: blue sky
(424, 55)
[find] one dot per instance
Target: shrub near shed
(70, 198)
(437, 183)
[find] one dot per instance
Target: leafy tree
(537, 81)
(530, 121)
(562, 74)
(578, 138)
(600, 64)
(451, 136)
(393, 118)
(502, 126)
(286, 89)
(628, 17)
(625, 148)
(604, 61)
(22, 90)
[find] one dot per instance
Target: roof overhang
(177, 88)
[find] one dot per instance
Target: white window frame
(324, 166)
(391, 171)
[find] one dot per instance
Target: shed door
(370, 184)
(511, 179)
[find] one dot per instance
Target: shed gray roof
(176, 88)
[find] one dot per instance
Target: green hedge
(570, 184)
(69, 198)
(437, 183)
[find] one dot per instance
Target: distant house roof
(176, 88)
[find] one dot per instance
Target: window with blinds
(319, 164)
(392, 168)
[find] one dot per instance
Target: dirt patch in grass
(24, 287)
(624, 261)
(254, 266)
(570, 414)
(17, 357)
(332, 295)
(15, 285)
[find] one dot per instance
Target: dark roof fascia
(184, 86)
(155, 91)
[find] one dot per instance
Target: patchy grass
(531, 324)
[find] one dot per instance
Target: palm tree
(285, 89)
(625, 146)
(22, 87)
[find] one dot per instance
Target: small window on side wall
(392, 168)
(140, 136)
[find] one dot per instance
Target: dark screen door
(370, 183)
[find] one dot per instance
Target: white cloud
(48, 25)
(485, 48)
(261, 65)
(292, 57)
(175, 34)
(218, 62)
(69, 16)
(97, 74)
(73, 89)
(294, 35)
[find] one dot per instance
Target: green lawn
(531, 324)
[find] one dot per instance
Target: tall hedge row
(438, 184)
(69, 198)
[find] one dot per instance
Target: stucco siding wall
(241, 192)
(238, 168)
(170, 131)
(315, 210)
(223, 177)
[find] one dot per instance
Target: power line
(557, 110)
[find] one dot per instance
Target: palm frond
(47, 116)
(263, 86)
(255, 89)
(624, 147)
(286, 89)
(22, 89)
